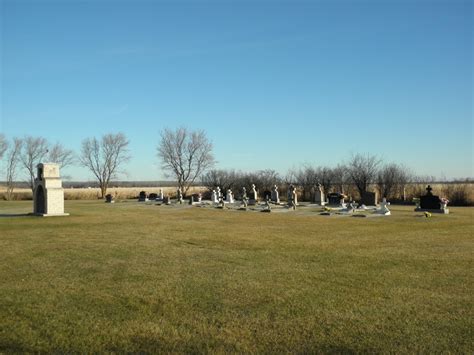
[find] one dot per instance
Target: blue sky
(275, 84)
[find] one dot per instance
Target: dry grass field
(453, 192)
(120, 193)
(131, 277)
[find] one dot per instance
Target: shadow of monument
(15, 214)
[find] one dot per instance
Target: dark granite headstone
(109, 198)
(153, 196)
(430, 201)
(368, 198)
(142, 196)
(334, 198)
(267, 195)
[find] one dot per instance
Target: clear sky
(275, 84)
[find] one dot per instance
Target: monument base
(442, 211)
(49, 214)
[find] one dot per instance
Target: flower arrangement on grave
(427, 214)
(444, 202)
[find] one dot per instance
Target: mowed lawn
(132, 277)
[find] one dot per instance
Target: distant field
(132, 277)
(94, 193)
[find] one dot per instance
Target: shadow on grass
(15, 215)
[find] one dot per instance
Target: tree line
(187, 157)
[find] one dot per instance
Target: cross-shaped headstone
(428, 189)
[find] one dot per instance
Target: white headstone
(275, 195)
(319, 195)
(253, 195)
(383, 208)
(229, 197)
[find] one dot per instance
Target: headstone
(383, 208)
(245, 199)
(432, 203)
(48, 193)
(179, 195)
(253, 199)
(349, 207)
(142, 197)
(334, 198)
(219, 193)
(166, 200)
(275, 195)
(221, 202)
(191, 199)
(268, 207)
(244, 192)
(109, 198)
(160, 196)
(368, 198)
(229, 197)
(341, 202)
(197, 197)
(267, 195)
(214, 197)
(292, 197)
(153, 196)
(319, 195)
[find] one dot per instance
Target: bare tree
(185, 154)
(326, 177)
(267, 178)
(341, 178)
(12, 159)
(104, 158)
(33, 151)
(225, 179)
(306, 179)
(3, 145)
(362, 171)
(60, 155)
(391, 179)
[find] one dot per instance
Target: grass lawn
(132, 277)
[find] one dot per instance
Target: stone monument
(253, 196)
(229, 197)
(268, 206)
(48, 196)
(179, 195)
(319, 195)
(432, 203)
(214, 198)
(368, 198)
(292, 197)
(383, 208)
(142, 197)
(160, 196)
(275, 195)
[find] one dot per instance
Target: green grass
(129, 277)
